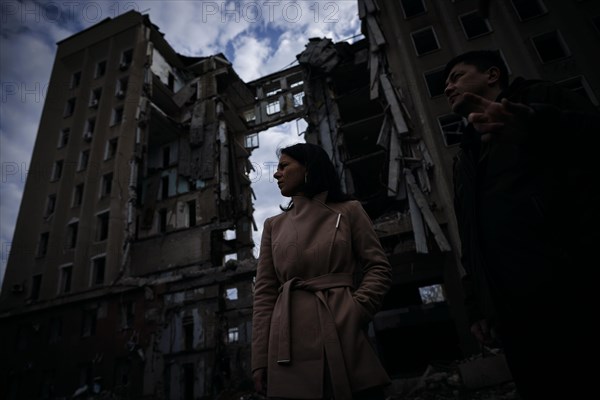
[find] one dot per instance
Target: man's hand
(481, 331)
(498, 119)
(260, 380)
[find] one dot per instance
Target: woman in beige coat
(309, 339)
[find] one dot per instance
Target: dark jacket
(526, 212)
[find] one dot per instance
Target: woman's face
(290, 176)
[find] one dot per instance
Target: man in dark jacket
(528, 218)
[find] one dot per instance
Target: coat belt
(331, 341)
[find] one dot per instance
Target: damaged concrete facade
(132, 267)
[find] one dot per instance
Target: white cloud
(250, 56)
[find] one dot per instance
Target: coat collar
(304, 201)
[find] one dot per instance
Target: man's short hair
(482, 60)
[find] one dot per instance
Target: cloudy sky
(258, 37)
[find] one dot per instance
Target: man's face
(465, 78)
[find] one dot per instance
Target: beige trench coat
(306, 310)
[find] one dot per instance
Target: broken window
(273, 108)
(111, 148)
(88, 325)
(63, 137)
(100, 69)
(579, 85)
(77, 195)
(126, 59)
(425, 41)
(228, 257)
(231, 294)
(164, 182)
(66, 273)
(43, 244)
(299, 99)
(69, 107)
(233, 335)
(272, 90)
(250, 116)
(98, 270)
(188, 333)
(50, 204)
(188, 381)
(117, 116)
(88, 132)
(162, 220)
(102, 226)
(191, 205)
(229, 234)
(527, 9)
(121, 88)
(550, 46)
(474, 25)
(75, 80)
(84, 157)
(95, 98)
(166, 153)
(54, 330)
(72, 235)
(127, 315)
(451, 126)
(106, 185)
(435, 82)
(36, 284)
(412, 8)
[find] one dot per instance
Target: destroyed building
(132, 270)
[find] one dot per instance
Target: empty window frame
(425, 40)
(527, 9)
(77, 195)
(57, 170)
(233, 335)
(69, 107)
(100, 69)
(126, 59)
(84, 158)
(162, 220)
(231, 294)
(191, 205)
(95, 98)
(71, 239)
(88, 131)
(50, 204)
(102, 223)
(435, 82)
(75, 80)
(98, 270)
(117, 116)
(412, 8)
(36, 285)
(579, 85)
(106, 184)
(451, 126)
(54, 330)
(63, 137)
(88, 322)
(42, 248)
(111, 148)
(66, 273)
(550, 46)
(474, 25)
(121, 88)
(298, 99)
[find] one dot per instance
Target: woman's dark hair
(482, 60)
(321, 175)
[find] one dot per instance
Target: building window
(189, 378)
(579, 85)
(54, 330)
(72, 235)
(69, 107)
(550, 46)
(273, 107)
(100, 69)
(127, 315)
(251, 141)
(435, 82)
(36, 285)
(106, 185)
(50, 204)
(188, 333)
(95, 98)
(43, 244)
(298, 99)
(126, 59)
(117, 116)
(233, 335)
(102, 227)
(164, 187)
(166, 153)
(596, 22)
(171, 81)
(162, 220)
(75, 80)
(66, 273)
(63, 137)
(88, 322)
(84, 158)
(425, 41)
(412, 8)
(111, 148)
(191, 212)
(77, 195)
(121, 89)
(98, 269)
(88, 131)
(474, 25)
(451, 126)
(231, 294)
(527, 9)
(57, 169)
